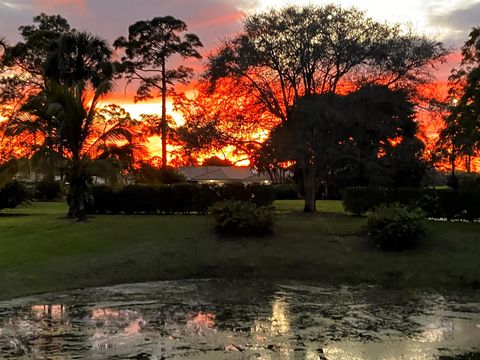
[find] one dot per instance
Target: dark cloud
(458, 22)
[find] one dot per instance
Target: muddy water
(220, 319)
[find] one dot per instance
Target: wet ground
(223, 319)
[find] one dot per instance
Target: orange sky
(447, 21)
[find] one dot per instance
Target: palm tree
(80, 73)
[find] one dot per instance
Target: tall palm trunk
(78, 192)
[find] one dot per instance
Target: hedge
(450, 204)
(183, 198)
(47, 191)
(13, 194)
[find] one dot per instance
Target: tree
(326, 130)
(461, 135)
(22, 88)
(78, 72)
(149, 47)
(219, 123)
(25, 61)
(283, 55)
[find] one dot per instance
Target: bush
(47, 190)
(183, 198)
(359, 200)
(235, 191)
(137, 199)
(13, 194)
(242, 218)
(205, 196)
(261, 195)
(105, 200)
(395, 227)
(286, 191)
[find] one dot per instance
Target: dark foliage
(395, 227)
(48, 191)
(451, 204)
(183, 198)
(286, 191)
(13, 194)
(361, 199)
(242, 218)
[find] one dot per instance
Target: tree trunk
(164, 117)
(468, 163)
(77, 195)
(310, 187)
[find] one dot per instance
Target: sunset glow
(445, 21)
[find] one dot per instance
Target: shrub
(261, 195)
(205, 196)
(137, 199)
(235, 191)
(105, 200)
(286, 191)
(182, 200)
(47, 190)
(395, 227)
(359, 200)
(13, 194)
(242, 218)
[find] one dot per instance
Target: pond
(241, 319)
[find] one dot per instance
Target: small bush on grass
(13, 194)
(242, 218)
(395, 227)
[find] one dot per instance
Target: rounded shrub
(395, 227)
(13, 194)
(48, 190)
(242, 218)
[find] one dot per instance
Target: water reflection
(240, 320)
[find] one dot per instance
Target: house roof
(222, 173)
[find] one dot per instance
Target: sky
(448, 21)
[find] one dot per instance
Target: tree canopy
(328, 132)
(461, 135)
(285, 54)
(148, 48)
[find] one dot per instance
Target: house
(223, 174)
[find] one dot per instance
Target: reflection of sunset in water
(174, 320)
(53, 312)
(201, 323)
(115, 327)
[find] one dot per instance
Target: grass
(41, 251)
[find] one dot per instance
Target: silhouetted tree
(283, 55)
(219, 122)
(148, 48)
(24, 87)
(461, 136)
(25, 61)
(326, 130)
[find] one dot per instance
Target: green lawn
(42, 251)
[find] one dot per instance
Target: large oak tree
(285, 55)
